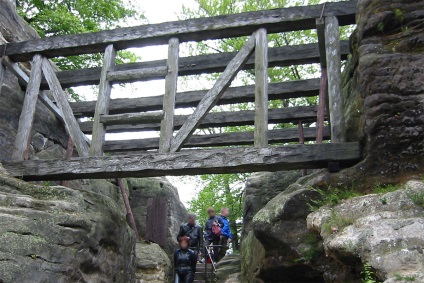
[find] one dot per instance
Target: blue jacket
(226, 229)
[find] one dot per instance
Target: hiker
(185, 261)
(226, 236)
(213, 232)
(194, 232)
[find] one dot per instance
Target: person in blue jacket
(226, 233)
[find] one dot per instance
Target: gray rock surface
(142, 191)
(228, 269)
(386, 231)
(152, 264)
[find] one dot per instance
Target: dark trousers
(215, 242)
(224, 247)
(184, 278)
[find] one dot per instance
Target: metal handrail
(208, 254)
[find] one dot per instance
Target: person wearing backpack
(194, 232)
(213, 232)
(226, 233)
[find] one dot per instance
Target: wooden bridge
(178, 151)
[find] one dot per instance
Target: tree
(220, 191)
(60, 17)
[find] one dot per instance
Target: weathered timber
(320, 24)
(130, 215)
(261, 88)
(70, 122)
(322, 105)
(214, 140)
(103, 101)
(189, 162)
(276, 91)
(135, 75)
(171, 79)
(69, 152)
(203, 64)
(277, 20)
(23, 79)
(213, 95)
(26, 119)
(302, 141)
(221, 119)
(334, 73)
(132, 118)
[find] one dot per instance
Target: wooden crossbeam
(276, 20)
(202, 64)
(189, 162)
(26, 119)
(213, 95)
(261, 88)
(102, 106)
(167, 124)
(214, 140)
(135, 75)
(221, 119)
(132, 118)
(334, 74)
(276, 91)
(70, 121)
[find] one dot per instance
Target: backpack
(216, 230)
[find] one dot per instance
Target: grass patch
(417, 198)
(336, 223)
(332, 196)
(313, 250)
(407, 278)
(384, 189)
(368, 275)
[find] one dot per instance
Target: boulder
(384, 232)
(152, 264)
(228, 269)
(141, 191)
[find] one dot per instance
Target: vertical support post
(130, 216)
(71, 123)
(302, 141)
(167, 125)
(323, 90)
(26, 119)
(102, 105)
(261, 89)
(332, 45)
(69, 152)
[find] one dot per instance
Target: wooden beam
(334, 72)
(213, 95)
(189, 162)
(132, 118)
(322, 105)
(261, 89)
(276, 91)
(222, 119)
(70, 122)
(320, 25)
(203, 64)
(214, 140)
(1, 74)
(276, 20)
(135, 75)
(23, 79)
(26, 119)
(167, 125)
(102, 106)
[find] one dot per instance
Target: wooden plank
(23, 79)
(189, 162)
(26, 119)
(322, 105)
(157, 221)
(132, 118)
(70, 122)
(69, 152)
(222, 119)
(276, 91)
(276, 20)
(103, 100)
(213, 95)
(334, 72)
(320, 23)
(261, 89)
(130, 215)
(135, 75)
(167, 125)
(204, 64)
(301, 141)
(214, 140)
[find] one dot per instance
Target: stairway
(200, 276)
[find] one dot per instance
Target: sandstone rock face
(12, 29)
(142, 191)
(228, 269)
(57, 234)
(385, 231)
(152, 264)
(384, 90)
